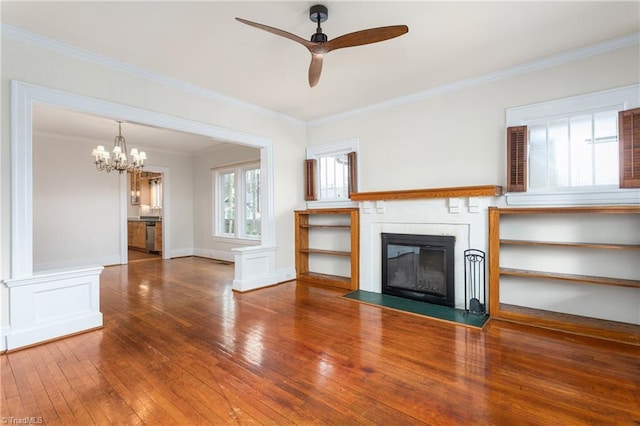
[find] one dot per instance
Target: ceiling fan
(320, 44)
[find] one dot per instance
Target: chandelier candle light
(117, 160)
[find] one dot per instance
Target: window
(237, 201)
(564, 151)
(574, 151)
(333, 176)
(331, 173)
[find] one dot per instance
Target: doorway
(24, 96)
(145, 224)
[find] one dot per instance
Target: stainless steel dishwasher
(150, 243)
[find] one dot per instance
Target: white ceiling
(95, 130)
(201, 43)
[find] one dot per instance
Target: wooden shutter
(629, 146)
(310, 180)
(517, 159)
(353, 177)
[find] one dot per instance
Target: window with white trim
(574, 151)
(565, 151)
(236, 201)
(331, 173)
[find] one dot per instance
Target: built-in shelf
(604, 246)
(576, 324)
(583, 325)
(325, 279)
(326, 252)
(587, 279)
(344, 221)
(453, 192)
(326, 226)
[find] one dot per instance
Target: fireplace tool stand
(474, 282)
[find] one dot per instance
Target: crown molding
(85, 55)
(548, 62)
(551, 61)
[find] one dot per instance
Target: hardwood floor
(179, 346)
(136, 255)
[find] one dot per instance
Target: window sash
(573, 151)
(251, 220)
(226, 203)
(237, 202)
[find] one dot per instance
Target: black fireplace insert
(419, 267)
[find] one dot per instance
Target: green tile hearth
(459, 316)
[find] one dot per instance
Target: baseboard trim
(227, 256)
(45, 333)
(184, 252)
(55, 339)
(280, 276)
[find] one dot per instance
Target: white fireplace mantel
(459, 212)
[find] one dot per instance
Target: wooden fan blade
(359, 38)
(315, 69)
(308, 44)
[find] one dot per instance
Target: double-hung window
(331, 173)
(575, 150)
(236, 203)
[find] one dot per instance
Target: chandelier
(117, 159)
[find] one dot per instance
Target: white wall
(76, 210)
(204, 242)
(458, 138)
(599, 301)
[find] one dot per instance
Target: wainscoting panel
(53, 304)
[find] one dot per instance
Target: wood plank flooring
(137, 255)
(180, 347)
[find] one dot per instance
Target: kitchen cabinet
(145, 194)
(158, 242)
(136, 234)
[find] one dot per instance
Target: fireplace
(419, 267)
